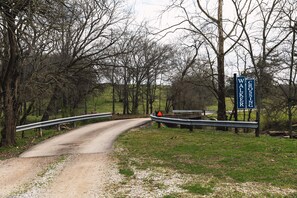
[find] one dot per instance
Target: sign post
(235, 100)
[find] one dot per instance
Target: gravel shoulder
(16, 172)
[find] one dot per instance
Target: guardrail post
(59, 127)
(159, 125)
(257, 130)
(40, 132)
(191, 128)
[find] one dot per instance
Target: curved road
(75, 164)
(94, 138)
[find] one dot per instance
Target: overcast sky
(150, 11)
(145, 9)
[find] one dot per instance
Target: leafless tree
(11, 24)
(138, 63)
(262, 37)
(214, 32)
(50, 44)
(84, 32)
(288, 80)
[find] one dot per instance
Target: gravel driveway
(75, 164)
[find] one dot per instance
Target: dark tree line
(50, 51)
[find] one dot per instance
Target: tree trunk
(10, 111)
(290, 97)
(125, 94)
(26, 112)
(136, 99)
(10, 81)
(221, 70)
(113, 91)
(51, 106)
(148, 97)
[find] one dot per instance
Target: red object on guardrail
(160, 114)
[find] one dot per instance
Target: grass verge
(223, 156)
(31, 138)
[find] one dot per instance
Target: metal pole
(235, 101)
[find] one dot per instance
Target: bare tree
(58, 40)
(264, 34)
(84, 29)
(12, 21)
(287, 85)
(215, 33)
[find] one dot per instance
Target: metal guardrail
(61, 121)
(204, 112)
(188, 111)
(211, 123)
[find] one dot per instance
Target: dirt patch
(17, 172)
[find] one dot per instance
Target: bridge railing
(59, 121)
(211, 123)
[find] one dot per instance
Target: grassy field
(103, 102)
(268, 165)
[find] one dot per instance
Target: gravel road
(75, 164)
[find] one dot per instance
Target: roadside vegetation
(31, 138)
(213, 162)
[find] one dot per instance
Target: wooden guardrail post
(40, 133)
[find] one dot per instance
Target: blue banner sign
(241, 92)
(245, 91)
(250, 93)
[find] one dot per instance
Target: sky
(150, 11)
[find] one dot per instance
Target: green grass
(198, 189)
(102, 102)
(31, 138)
(126, 171)
(223, 155)
(229, 105)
